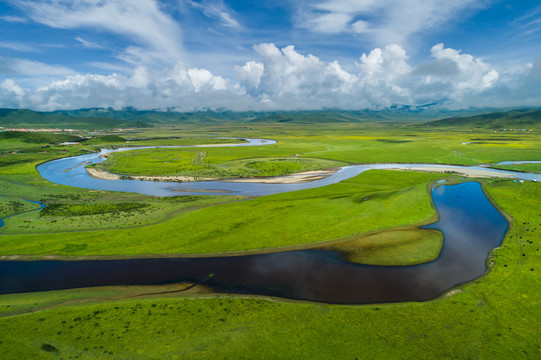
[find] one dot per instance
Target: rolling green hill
(394, 114)
(514, 119)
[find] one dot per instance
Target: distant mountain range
(514, 119)
(96, 118)
(394, 113)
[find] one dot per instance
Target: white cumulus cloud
(286, 79)
(454, 76)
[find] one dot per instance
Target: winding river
(471, 226)
(66, 171)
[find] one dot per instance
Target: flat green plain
(207, 163)
(496, 316)
(12, 206)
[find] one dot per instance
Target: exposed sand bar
(104, 175)
(303, 177)
(171, 178)
(467, 172)
(289, 179)
(81, 164)
(100, 174)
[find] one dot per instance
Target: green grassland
(18, 139)
(289, 219)
(105, 140)
(88, 212)
(495, 316)
(11, 206)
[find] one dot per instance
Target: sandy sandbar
(104, 175)
(303, 177)
(476, 173)
(286, 179)
(81, 164)
(171, 178)
(100, 174)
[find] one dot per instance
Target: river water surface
(470, 224)
(66, 171)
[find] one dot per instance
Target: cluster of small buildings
(38, 130)
(514, 130)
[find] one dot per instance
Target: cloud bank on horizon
(219, 54)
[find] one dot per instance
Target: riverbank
(100, 174)
(298, 178)
(455, 170)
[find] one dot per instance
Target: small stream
(42, 206)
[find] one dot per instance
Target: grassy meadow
(493, 317)
(12, 206)
(372, 218)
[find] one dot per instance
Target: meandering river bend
(471, 226)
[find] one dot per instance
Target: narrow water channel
(42, 206)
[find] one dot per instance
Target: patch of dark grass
(49, 348)
(393, 141)
(65, 210)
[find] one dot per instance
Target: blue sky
(269, 54)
